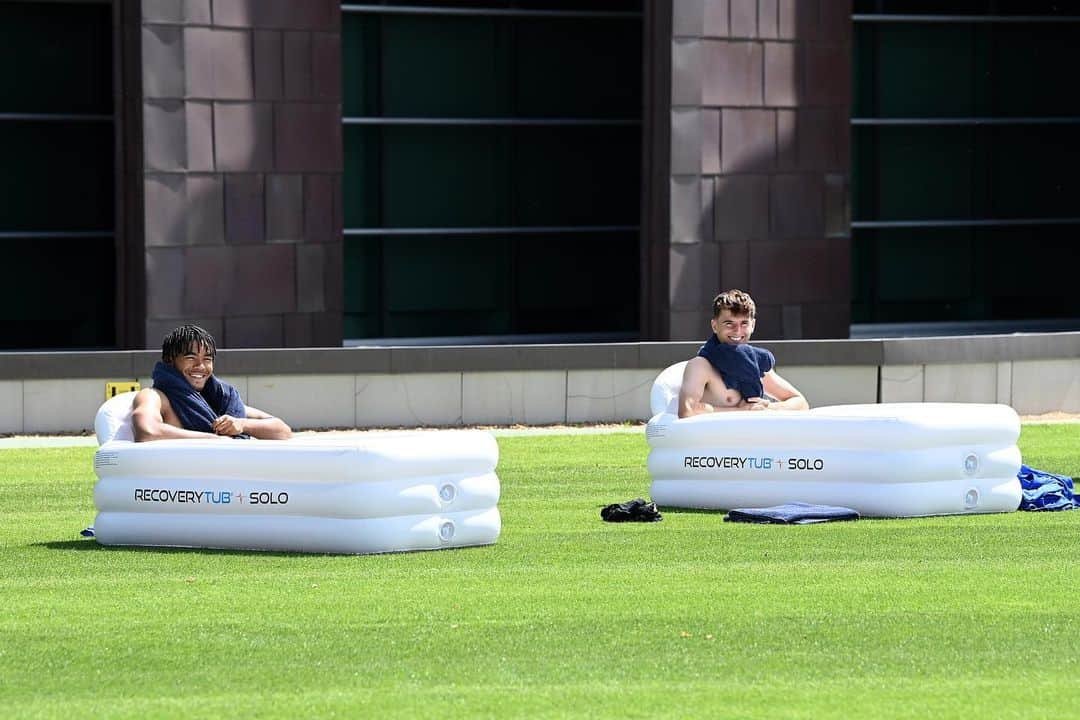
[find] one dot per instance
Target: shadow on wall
(760, 164)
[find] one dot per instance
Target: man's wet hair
(737, 301)
(184, 339)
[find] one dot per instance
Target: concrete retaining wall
(545, 384)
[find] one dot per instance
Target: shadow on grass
(690, 511)
(89, 544)
(681, 511)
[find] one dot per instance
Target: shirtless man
(704, 391)
(189, 352)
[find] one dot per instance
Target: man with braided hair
(188, 402)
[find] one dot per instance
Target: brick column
(760, 163)
(242, 170)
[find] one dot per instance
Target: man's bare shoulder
(146, 395)
(150, 396)
(152, 399)
(698, 368)
(697, 364)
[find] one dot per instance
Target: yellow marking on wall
(112, 389)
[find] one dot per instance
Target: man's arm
(148, 421)
(257, 424)
(787, 395)
(695, 377)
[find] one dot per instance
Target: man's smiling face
(196, 365)
(731, 328)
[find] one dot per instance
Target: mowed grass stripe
(564, 616)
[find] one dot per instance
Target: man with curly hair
(729, 373)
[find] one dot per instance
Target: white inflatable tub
(887, 460)
(365, 493)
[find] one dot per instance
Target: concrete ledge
(978, 349)
(517, 358)
(543, 384)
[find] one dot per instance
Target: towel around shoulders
(741, 366)
(197, 410)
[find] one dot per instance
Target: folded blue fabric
(1046, 491)
(796, 513)
(198, 410)
(740, 366)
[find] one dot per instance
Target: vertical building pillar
(760, 168)
(241, 170)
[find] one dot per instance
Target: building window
(57, 177)
(966, 136)
(492, 169)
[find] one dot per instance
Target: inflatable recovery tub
(365, 493)
(886, 460)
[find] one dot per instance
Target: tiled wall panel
(422, 399)
(529, 398)
(902, 383)
(11, 407)
(1040, 386)
(61, 405)
(967, 383)
(608, 395)
(760, 96)
(242, 140)
(306, 401)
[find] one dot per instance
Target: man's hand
(787, 396)
(695, 407)
(228, 425)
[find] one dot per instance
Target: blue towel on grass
(740, 366)
(1046, 491)
(198, 410)
(796, 513)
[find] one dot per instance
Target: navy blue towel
(198, 410)
(796, 513)
(740, 366)
(1046, 491)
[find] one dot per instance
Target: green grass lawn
(967, 616)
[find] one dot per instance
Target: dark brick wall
(242, 170)
(760, 171)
